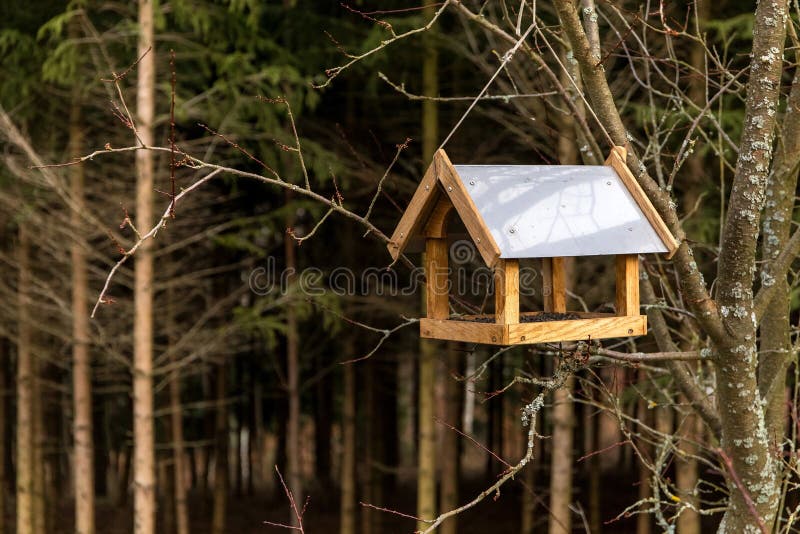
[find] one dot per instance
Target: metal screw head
(478, 240)
(608, 183)
(511, 230)
(472, 182)
(427, 188)
(449, 188)
(494, 338)
(401, 234)
(630, 330)
(522, 338)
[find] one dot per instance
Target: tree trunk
(348, 511)
(293, 461)
(39, 431)
(561, 460)
(368, 483)
(25, 422)
(144, 468)
(323, 417)
(81, 360)
(450, 450)
(426, 445)
(220, 454)
(4, 356)
(176, 425)
(560, 520)
(595, 474)
(645, 491)
(686, 474)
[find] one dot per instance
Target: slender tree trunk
(645, 491)
(426, 445)
(39, 431)
(323, 416)
(686, 475)
(81, 360)
(221, 482)
(450, 450)
(25, 423)
(595, 522)
(348, 512)
(144, 468)
(564, 409)
(4, 355)
(368, 484)
(561, 460)
(293, 461)
(238, 481)
(166, 491)
(176, 425)
(124, 477)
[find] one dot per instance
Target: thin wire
(506, 58)
(580, 93)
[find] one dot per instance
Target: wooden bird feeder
(533, 211)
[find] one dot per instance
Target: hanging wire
(506, 58)
(577, 89)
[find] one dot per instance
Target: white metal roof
(536, 211)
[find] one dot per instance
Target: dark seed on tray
(537, 318)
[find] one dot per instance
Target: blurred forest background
(246, 384)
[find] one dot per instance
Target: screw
(608, 183)
(494, 338)
(401, 234)
(449, 188)
(478, 240)
(511, 230)
(427, 188)
(630, 330)
(522, 338)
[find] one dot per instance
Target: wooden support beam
(466, 208)
(437, 278)
(554, 286)
(438, 218)
(627, 300)
(506, 292)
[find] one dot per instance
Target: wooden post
(436, 274)
(627, 284)
(506, 292)
(554, 285)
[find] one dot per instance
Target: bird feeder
(550, 212)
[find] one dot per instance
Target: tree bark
(25, 423)
(745, 437)
(686, 474)
(4, 445)
(450, 451)
(294, 477)
(176, 425)
(81, 359)
(348, 511)
(221, 482)
(426, 446)
(561, 460)
(144, 468)
(39, 431)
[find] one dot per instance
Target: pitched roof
(536, 211)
